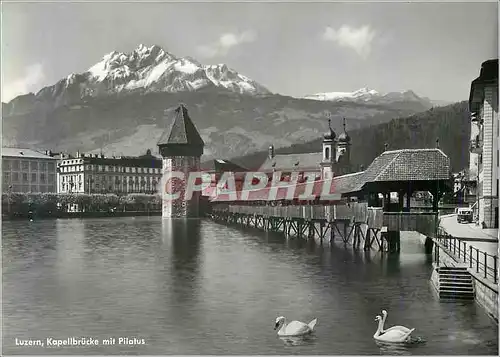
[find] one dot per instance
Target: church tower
(343, 154)
(181, 147)
(329, 153)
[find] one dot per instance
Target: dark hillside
(451, 124)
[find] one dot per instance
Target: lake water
(197, 287)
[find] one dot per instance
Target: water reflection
(299, 340)
(21, 239)
(183, 236)
(203, 288)
(399, 349)
(183, 239)
(393, 264)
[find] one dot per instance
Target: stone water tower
(181, 147)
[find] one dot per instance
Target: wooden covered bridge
(358, 209)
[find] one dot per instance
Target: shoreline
(81, 215)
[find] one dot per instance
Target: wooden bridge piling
(355, 223)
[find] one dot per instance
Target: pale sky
(434, 49)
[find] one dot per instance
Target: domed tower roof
(344, 137)
(329, 135)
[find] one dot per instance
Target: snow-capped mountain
(145, 70)
(154, 69)
(369, 96)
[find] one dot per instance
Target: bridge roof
(424, 165)
(409, 165)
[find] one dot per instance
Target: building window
(327, 153)
(43, 166)
(34, 166)
(25, 165)
(42, 178)
(15, 177)
(6, 165)
(51, 178)
(51, 166)
(15, 165)
(25, 177)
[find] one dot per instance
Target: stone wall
(486, 293)
(179, 207)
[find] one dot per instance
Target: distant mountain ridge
(371, 96)
(122, 104)
(144, 70)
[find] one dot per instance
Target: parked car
(464, 214)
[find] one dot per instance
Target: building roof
(146, 160)
(264, 194)
(487, 75)
(24, 153)
(182, 130)
(293, 162)
(349, 183)
(222, 165)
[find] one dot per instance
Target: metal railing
(483, 263)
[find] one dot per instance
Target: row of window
(78, 187)
(90, 178)
(25, 165)
(106, 168)
(24, 177)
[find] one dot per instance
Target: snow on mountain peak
(153, 69)
(367, 95)
(360, 94)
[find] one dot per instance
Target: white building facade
(483, 105)
(92, 173)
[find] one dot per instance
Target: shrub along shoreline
(16, 204)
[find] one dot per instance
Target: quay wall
(486, 293)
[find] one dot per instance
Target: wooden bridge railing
(359, 212)
(422, 222)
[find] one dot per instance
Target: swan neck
(282, 328)
(379, 329)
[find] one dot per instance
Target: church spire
(330, 134)
(344, 137)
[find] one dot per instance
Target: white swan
(394, 336)
(398, 327)
(294, 328)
